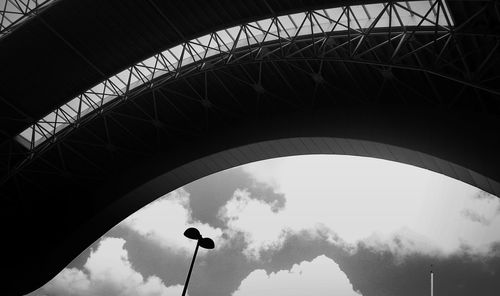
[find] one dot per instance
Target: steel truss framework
(328, 31)
(14, 12)
(395, 35)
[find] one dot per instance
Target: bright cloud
(262, 227)
(166, 219)
(107, 271)
(383, 203)
(322, 276)
(402, 243)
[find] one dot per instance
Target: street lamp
(203, 242)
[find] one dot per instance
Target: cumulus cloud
(401, 244)
(165, 219)
(256, 219)
(265, 229)
(491, 199)
(209, 194)
(321, 276)
(484, 209)
(108, 271)
(388, 205)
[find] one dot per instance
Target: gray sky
(324, 224)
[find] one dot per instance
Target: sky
(313, 224)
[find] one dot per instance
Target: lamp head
(207, 243)
(192, 233)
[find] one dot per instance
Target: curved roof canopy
(107, 104)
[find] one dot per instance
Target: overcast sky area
(306, 225)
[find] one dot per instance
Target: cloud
(265, 230)
(70, 281)
(401, 244)
(256, 219)
(481, 194)
(490, 198)
(396, 207)
(151, 258)
(165, 220)
(376, 272)
(322, 276)
(382, 273)
(209, 194)
(107, 271)
(405, 207)
(475, 217)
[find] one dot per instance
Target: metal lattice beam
(340, 33)
(15, 12)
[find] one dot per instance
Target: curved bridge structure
(107, 105)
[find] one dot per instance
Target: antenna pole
(432, 282)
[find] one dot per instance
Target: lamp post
(203, 242)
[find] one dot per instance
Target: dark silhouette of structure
(98, 118)
(203, 242)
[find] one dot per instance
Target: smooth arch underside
(266, 105)
(72, 211)
(55, 200)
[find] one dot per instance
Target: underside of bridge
(107, 105)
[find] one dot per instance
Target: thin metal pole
(432, 282)
(191, 268)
